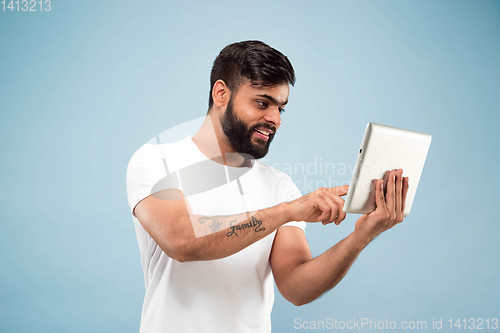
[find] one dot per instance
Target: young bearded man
(215, 225)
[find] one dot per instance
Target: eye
(281, 110)
(262, 104)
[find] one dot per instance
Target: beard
(240, 135)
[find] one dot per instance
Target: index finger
(339, 190)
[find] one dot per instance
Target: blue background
(85, 85)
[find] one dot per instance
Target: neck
(213, 143)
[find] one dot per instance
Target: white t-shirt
(233, 294)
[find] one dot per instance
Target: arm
(175, 230)
(301, 278)
(167, 219)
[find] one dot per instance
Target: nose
(273, 116)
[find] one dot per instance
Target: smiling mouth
(263, 133)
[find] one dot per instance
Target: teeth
(264, 132)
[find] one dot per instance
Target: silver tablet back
(386, 148)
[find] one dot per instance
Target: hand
(324, 204)
(390, 207)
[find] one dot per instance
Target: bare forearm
(215, 237)
(311, 279)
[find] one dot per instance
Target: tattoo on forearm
(215, 225)
(253, 223)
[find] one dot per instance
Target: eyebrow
(273, 100)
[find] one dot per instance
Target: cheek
(248, 113)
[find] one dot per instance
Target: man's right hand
(390, 207)
(323, 205)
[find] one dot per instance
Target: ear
(220, 94)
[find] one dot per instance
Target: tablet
(386, 148)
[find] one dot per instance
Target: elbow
(180, 257)
(299, 302)
(293, 293)
(179, 250)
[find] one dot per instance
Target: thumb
(340, 190)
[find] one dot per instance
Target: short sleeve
(293, 193)
(144, 170)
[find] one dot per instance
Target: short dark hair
(253, 60)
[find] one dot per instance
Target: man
(215, 225)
